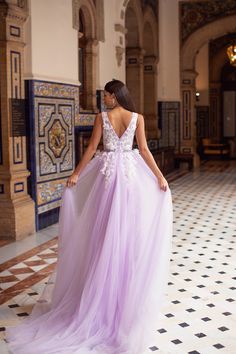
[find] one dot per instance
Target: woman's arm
(90, 151)
(146, 154)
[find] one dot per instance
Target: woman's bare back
(120, 119)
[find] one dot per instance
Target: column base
(17, 218)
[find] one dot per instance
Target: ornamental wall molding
(13, 13)
(120, 28)
(119, 54)
(16, 14)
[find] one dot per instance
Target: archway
(188, 54)
(220, 71)
(228, 80)
(84, 20)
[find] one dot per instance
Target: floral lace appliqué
(113, 145)
(108, 163)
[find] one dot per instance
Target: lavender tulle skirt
(114, 246)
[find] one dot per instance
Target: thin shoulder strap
(135, 118)
(104, 114)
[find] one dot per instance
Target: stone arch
(188, 53)
(88, 10)
(134, 7)
(202, 36)
(131, 24)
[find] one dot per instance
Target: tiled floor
(199, 314)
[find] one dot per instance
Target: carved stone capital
(16, 14)
(188, 78)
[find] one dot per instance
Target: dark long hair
(121, 93)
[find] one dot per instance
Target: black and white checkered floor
(199, 314)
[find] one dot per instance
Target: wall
(107, 63)
(51, 55)
(51, 42)
(168, 68)
(202, 80)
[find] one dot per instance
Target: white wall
(51, 51)
(169, 67)
(202, 80)
(107, 63)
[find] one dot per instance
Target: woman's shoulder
(98, 118)
(99, 115)
(140, 117)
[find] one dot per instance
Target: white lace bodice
(111, 141)
(113, 145)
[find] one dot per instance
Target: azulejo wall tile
(49, 192)
(54, 107)
(85, 119)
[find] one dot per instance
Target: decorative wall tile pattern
(48, 192)
(55, 107)
(85, 119)
(16, 93)
(169, 113)
(54, 132)
(186, 119)
(202, 122)
(47, 89)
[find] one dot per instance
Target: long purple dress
(115, 230)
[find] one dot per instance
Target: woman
(114, 241)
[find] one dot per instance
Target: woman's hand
(163, 183)
(72, 180)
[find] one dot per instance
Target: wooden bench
(212, 147)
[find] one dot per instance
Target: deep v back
(119, 137)
(111, 140)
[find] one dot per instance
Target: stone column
(188, 136)
(134, 75)
(17, 217)
(91, 74)
(150, 96)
